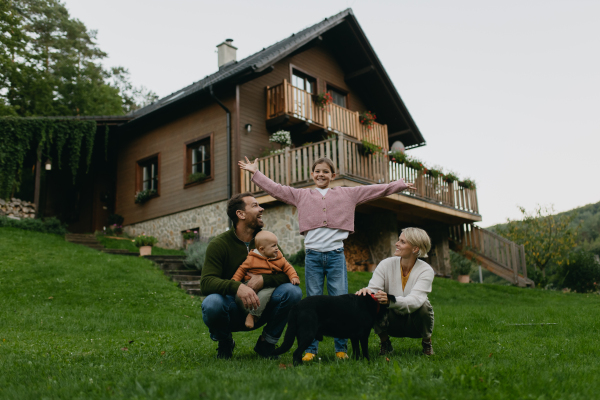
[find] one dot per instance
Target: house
(182, 150)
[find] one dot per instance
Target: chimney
(226, 52)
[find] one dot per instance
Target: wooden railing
(288, 99)
(292, 166)
(502, 251)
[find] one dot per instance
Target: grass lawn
(122, 244)
(79, 324)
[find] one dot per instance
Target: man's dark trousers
(222, 315)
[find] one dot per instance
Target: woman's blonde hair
(419, 238)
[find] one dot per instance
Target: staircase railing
(503, 252)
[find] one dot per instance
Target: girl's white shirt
(325, 239)
(388, 278)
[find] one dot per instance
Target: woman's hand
(363, 292)
(411, 186)
(248, 166)
(382, 297)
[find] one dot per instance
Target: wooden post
(288, 167)
(420, 184)
(38, 178)
(523, 262)
(342, 155)
(285, 97)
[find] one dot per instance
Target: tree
(50, 65)
(547, 238)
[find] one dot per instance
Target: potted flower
(450, 177)
(414, 164)
(197, 177)
(189, 236)
(398, 157)
(144, 195)
(145, 243)
(114, 229)
(367, 119)
(282, 138)
(461, 266)
(321, 100)
(368, 148)
(467, 184)
(434, 173)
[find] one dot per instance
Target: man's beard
(255, 224)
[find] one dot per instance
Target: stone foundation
(211, 220)
(15, 208)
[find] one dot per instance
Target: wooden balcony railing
(292, 167)
(288, 99)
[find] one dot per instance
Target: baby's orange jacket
(260, 265)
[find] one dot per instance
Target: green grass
(128, 245)
(71, 346)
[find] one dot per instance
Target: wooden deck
(292, 167)
(287, 99)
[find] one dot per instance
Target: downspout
(229, 192)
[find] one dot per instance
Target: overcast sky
(504, 92)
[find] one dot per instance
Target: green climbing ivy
(45, 136)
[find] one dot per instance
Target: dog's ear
(391, 299)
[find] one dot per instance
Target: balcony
(298, 105)
(292, 166)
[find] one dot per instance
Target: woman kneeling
(402, 282)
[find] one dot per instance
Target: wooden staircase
(498, 255)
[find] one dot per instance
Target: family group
(248, 282)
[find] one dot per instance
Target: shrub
(281, 137)
(48, 225)
(115, 219)
(298, 258)
(144, 240)
(187, 235)
(461, 265)
(582, 273)
(196, 253)
(113, 230)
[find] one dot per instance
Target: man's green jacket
(224, 255)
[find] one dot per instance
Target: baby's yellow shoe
(308, 357)
(341, 355)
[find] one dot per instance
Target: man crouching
(224, 255)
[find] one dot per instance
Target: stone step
(189, 285)
(172, 266)
(183, 272)
(184, 278)
(162, 259)
(81, 241)
(122, 252)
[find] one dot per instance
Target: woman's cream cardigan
(388, 277)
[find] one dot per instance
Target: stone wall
(211, 220)
(282, 220)
(15, 208)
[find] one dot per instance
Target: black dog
(346, 317)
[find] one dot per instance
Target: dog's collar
(377, 301)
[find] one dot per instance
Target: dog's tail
(290, 333)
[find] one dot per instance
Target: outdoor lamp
(248, 128)
(48, 164)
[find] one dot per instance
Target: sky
(505, 92)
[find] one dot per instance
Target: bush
(581, 274)
(144, 195)
(461, 265)
(196, 254)
(298, 258)
(144, 240)
(48, 225)
(115, 219)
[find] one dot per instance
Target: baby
(264, 259)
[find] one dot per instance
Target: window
(339, 97)
(148, 175)
(303, 81)
(198, 160)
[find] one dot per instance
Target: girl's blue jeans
(330, 265)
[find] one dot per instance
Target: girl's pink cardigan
(334, 210)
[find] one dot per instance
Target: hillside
(79, 324)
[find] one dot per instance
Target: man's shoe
(225, 349)
(341, 355)
(427, 347)
(308, 357)
(265, 349)
(386, 348)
